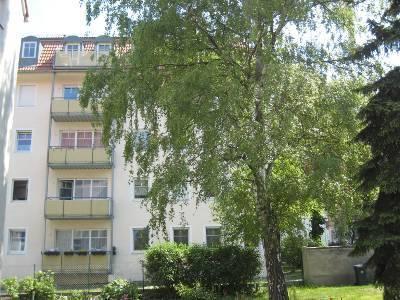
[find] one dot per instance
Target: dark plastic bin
(361, 274)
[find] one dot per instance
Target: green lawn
(367, 292)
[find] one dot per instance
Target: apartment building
(70, 205)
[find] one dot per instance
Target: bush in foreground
(119, 289)
(224, 268)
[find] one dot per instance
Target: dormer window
(104, 48)
(72, 48)
(29, 49)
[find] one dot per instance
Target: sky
(59, 17)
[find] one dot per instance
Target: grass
(366, 292)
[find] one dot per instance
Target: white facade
(12, 16)
(40, 162)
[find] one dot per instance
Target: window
(71, 93)
(81, 139)
(29, 49)
(64, 240)
(213, 236)
(20, 190)
(24, 141)
(66, 189)
(84, 139)
(103, 48)
(68, 139)
(26, 95)
(140, 239)
(181, 236)
(99, 188)
(142, 138)
(83, 189)
(72, 48)
(98, 240)
(81, 240)
(17, 239)
(141, 188)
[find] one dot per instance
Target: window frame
(59, 180)
(23, 49)
(18, 104)
(12, 189)
(17, 252)
(132, 235)
(75, 146)
(71, 86)
(189, 229)
(102, 44)
(21, 131)
(134, 188)
(212, 226)
(72, 52)
(73, 231)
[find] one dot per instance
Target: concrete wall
(330, 265)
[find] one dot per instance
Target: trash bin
(361, 274)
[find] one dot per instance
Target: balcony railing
(78, 60)
(79, 158)
(98, 261)
(78, 208)
(69, 110)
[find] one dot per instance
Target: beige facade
(69, 204)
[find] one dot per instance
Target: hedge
(229, 268)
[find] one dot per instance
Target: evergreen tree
(380, 231)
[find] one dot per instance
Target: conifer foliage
(380, 231)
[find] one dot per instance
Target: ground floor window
(17, 241)
(140, 238)
(213, 236)
(181, 235)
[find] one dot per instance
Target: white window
(64, 240)
(16, 241)
(81, 240)
(181, 235)
(24, 140)
(83, 189)
(26, 95)
(213, 236)
(140, 238)
(141, 188)
(29, 49)
(72, 48)
(81, 139)
(104, 48)
(20, 189)
(98, 240)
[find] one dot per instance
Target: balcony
(79, 158)
(87, 208)
(78, 60)
(69, 110)
(77, 262)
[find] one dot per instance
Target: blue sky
(59, 17)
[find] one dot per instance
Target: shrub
(165, 264)
(119, 289)
(227, 268)
(194, 293)
(42, 286)
(11, 285)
